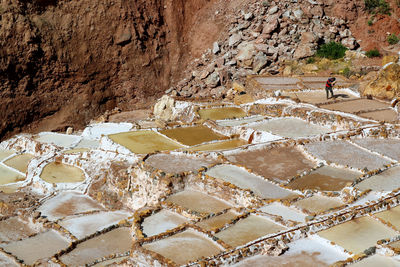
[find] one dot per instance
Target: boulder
(164, 108)
(245, 51)
(350, 43)
(123, 36)
(260, 61)
(234, 39)
(386, 84)
(271, 24)
(213, 80)
(216, 48)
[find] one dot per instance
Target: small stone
(216, 48)
(213, 80)
(70, 130)
(248, 16)
(234, 40)
(273, 10)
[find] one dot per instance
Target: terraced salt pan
(285, 212)
(357, 105)
(321, 79)
(191, 136)
(66, 204)
(387, 147)
(96, 131)
(325, 178)
(198, 202)
(222, 113)
(5, 154)
(376, 260)
(317, 204)
(178, 163)
(116, 241)
(290, 127)
(184, 247)
(88, 143)
(280, 164)
(344, 153)
(57, 172)
(300, 260)
(238, 122)
(245, 180)
(110, 262)
(358, 234)
(248, 229)
(144, 142)
(41, 246)
(13, 229)
(312, 251)
(219, 221)
(387, 115)
(161, 222)
(20, 162)
(89, 224)
(385, 181)
(6, 260)
(392, 216)
(219, 146)
(8, 176)
(61, 140)
(319, 96)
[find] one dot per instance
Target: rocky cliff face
(63, 62)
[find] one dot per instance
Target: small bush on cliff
(373, 53)
(377, 6)
(331, 50)
(393, 39)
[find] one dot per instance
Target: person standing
(329, 86)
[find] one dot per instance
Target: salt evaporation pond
(238, 122)
(279, 164)
(346, 154)
(218, 146)
(318, 96)
(8, 176)
(178, 163)
(285, 212)
(358, 234)
(86, 225)
(385, 181)
(61, 140)
(387, 115)
(5, 154)
(391, 216)
(248, 229)
(376, 260)
(41, 246)
(184, 247)
(116, 241)
(219, 221)
(57, 172)
(13, 229)
(162, 221)
(68, 203)
(290, 127)
(197, 201)
(387, 147)
(245, 180)
(358, 105)
(222, 113)
(144, 142)
(191, 136)
(20, 162)
(318, 204)
(325, 178)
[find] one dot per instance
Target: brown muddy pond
(221, 113)
(387, 115)
(191, 136)
(144, 142)
(20, 162)
(279, 164)
(355, 106)
(317, 204)
(57, 172)
(325, 178)
(219, 221)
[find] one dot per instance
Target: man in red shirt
(329, 85)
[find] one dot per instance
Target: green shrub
(377, 6)
(393, 39)
(310, 60)
(373, 53)
(370, 22)
(347, 72)
(331, 50)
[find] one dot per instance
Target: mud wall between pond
(64, 62)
